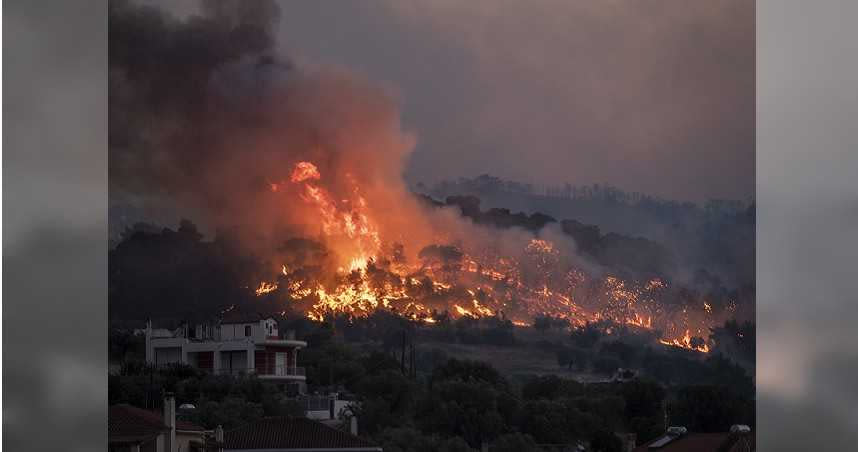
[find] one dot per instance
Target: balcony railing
(277, 371)
(286, 371)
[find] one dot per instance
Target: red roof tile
(293, 433)
(705, 442)
(126, 423)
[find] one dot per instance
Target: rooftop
(293, 433)
(703, 442)
(129, 424)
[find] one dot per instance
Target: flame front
(463, 281)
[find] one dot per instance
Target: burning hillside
(353, 268)
(304, 164)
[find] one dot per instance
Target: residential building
(328, 409)
(132, 429)
(236, 344)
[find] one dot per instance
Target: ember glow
(465, 279)
(265, 288)
(686, 342)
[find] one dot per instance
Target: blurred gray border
(55, 225)
(807, 221)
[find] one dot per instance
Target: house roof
(129, 424)
(705, 442)
(293, 434)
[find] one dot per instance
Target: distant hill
(718, 236)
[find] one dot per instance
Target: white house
(237, 344)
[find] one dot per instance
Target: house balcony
(276, 341)
(284, 373)
(277, 373)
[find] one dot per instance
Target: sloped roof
(293, 433)
(126, 423)
(705, 442)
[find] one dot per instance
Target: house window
(247, 330)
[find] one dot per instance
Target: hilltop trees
(718, 235)
(174, 274)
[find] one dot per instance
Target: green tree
(469, 409)
(542, 387)
(231, 412)
(606, 441)
(709, 409)
(514, 442)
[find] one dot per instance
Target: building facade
(234, 345)
(132, 429)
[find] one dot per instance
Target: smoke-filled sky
(656, 97)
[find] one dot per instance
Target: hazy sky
(655, 97)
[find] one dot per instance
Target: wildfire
(346, 218)
(640, 321)
(265, 287)
(687, 342)
(463, 281)
(305, 171)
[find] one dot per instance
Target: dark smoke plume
(161, 93)
(206, 113)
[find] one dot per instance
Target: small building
(132, 429)
(330, 408)
(282, 434)
(236, 344)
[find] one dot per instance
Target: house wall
(259, 331)
(234, 360)
(326, 414)
(205, 360)
(235, 331)
(168, 355)
(201, 332)
(266, 359)
(183, 440)
(269, 328)
(153, 343)
(214, 355)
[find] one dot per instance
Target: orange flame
(480, 284)
(265, 287)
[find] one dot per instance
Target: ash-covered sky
(656, 97)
